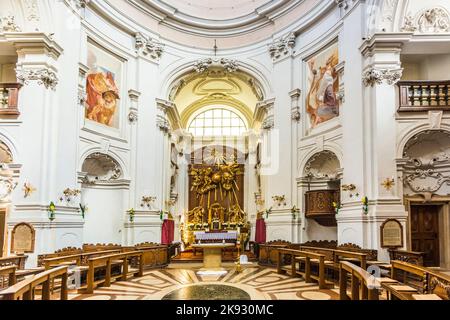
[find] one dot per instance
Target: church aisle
(181, 282)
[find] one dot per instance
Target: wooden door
(2, 231)
(425, 233)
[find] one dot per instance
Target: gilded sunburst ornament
(388, 184)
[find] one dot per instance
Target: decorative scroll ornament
(7, 183)
(148, 46)
(268, 123)
(201, 66)
(295, 114)
(8, 24)
(434, 20)
(44, 77)
(163, 124)
(282, 47)
(133, 116)
(377, 76)
(426, 175)
(408, 24)
(31, 10)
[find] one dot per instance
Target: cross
(215, 47)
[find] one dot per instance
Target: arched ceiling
(217, 9)
(233, 23)
(215, 87)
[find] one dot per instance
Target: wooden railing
(363, 285)
(25, 290)
(7, 276)
(424, 95)
(9, 94)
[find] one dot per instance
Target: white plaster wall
(105, 215)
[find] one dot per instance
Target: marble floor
(181, 282)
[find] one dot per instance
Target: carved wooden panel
(319, 206)
(425, 233)
(22, 238)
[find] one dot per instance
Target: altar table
(212, 254)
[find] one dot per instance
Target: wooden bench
(7, 276)
(363, 285)
(407, 256)
(19, 262)
(307, 259)
(25, 290)
(268, 254)
(423, 280)
(333, 258)
(156, 256)
(79, 259)
(58, 253)
(106, 263)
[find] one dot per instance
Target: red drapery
(167, 232)
(260, 235)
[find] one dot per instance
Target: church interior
(224, 150)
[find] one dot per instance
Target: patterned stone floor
(259, 283)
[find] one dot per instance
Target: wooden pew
(363, 285)
(19, 262)
(355, 257)
(80, 259)
(333, 258)
(58, 253)
(407, 256)
(106, 263)
(268, 254)
(7, 276)
(424, 280)
(25, 290)
(88, 247)
(409, 274)
(154, 256)
(304, 258)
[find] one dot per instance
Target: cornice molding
(34, 41)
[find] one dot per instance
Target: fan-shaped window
(217, 122)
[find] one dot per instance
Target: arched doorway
(320, 188)
(103, 192)
(425, 171)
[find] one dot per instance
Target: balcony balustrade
(424, 95)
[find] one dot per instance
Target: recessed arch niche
(103, 193)
(321, 177)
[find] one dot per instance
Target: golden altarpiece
(216, 193)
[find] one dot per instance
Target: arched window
(217, 122)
